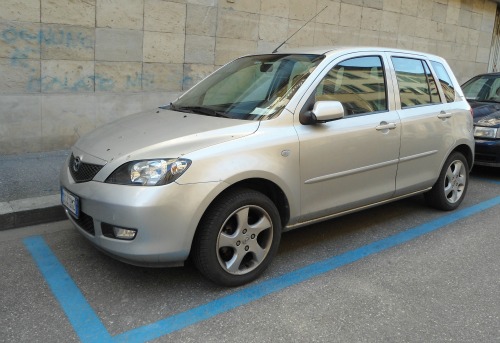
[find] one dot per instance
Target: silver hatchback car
(265, 144)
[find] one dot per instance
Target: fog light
(117, 232)
(122, 233)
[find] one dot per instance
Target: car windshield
(250, 88)
(483, 88)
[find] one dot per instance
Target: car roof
(328, 50)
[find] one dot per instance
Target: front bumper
(165, 217)
(487, 153)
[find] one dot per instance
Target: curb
(32, 211)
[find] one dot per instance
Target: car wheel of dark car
(237, 237)
(451, 186)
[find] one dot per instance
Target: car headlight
(486, 132)
(149, 172)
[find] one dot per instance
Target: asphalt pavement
(29, 188)
(396, 273)
(401, 272)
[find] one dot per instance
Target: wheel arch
(467, 152)
(269, 189)
(264, 186)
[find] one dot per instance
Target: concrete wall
(67, 66)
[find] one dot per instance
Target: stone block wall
(67, 66)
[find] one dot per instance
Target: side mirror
(323, 111)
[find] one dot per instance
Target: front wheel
(451, 186)
(237, 237)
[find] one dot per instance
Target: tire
(450, 188)
(237, 237)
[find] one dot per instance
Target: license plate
(71, 202)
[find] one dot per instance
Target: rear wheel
(237, 237)
(451, 186)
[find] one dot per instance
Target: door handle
(444, 115)
(385, 126)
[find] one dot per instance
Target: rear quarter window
(445, 81)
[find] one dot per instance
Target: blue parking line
(82, 317)
(90, 329)
(489, 180)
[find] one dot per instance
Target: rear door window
(417, 86)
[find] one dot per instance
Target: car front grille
(85, 222)
(82, 172)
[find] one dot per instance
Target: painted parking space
(90, 328)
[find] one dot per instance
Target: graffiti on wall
(61, 59)
(47, 36)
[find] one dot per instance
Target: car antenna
(286, 40)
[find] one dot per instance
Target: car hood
(486, 113)
(159, 133)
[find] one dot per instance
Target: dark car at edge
(483, 94)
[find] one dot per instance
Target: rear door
(426, 130)
(350, 162)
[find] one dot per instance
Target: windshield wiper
(200, 110)
(178, 109)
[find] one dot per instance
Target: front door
(350, 162)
